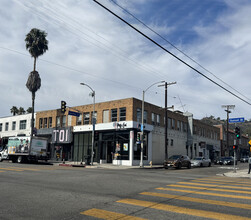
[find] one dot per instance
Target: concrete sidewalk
(238, 173)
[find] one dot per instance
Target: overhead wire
(169, 52)
(189, 57)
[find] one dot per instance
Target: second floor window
(122, 114)
(86, 118)
(58, 121)
(50, 122)
(79, 120)
(114, 114)
(6, 126)
(22, 125)
(105, 116)
(45, 122)
(13, 126)
(1, 126)
(153, 119)
(40, 123)
(64, 121)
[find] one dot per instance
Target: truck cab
(3, 153)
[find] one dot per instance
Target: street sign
(236, 120)
(74, 113)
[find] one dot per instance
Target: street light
(93, 120)
(142, 123)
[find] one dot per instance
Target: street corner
(238, 174)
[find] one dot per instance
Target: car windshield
(227, 158)
(175, 157)
(197, 158)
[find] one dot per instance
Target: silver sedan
(200, 162)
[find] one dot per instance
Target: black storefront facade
(113, 143)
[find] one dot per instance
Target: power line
(189, 57)
(182, 61)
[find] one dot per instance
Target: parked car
(200, 162)
(244, 159)
(177, 161)
(227, 161)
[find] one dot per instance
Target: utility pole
(166, 119)
(227, 107)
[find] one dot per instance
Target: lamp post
(93, 120)
(142, 124)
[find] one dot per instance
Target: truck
(25, 149)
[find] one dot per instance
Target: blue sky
(87, 44)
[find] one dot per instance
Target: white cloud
(87, 44)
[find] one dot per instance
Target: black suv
(177, 161)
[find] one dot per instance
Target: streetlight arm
(84, 84)
(153, 85)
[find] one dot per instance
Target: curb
(71, 165)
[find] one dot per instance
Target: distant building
(242, 146)
(18, 125)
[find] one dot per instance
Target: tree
(21, 111)
(29, 110)
(14, 110)
(37, 45)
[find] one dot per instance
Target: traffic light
(63, 106)
(138, 137)
(234, 147)
(237, 132)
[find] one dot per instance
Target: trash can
(87, 159)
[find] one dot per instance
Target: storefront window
(137, 148)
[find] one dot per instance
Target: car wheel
(189, 166)
(20, 159)
(201, 165)
(1, 158)
(209, 164)
(179, 166)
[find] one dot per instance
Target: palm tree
(37, 45)
(21, 111)
(29, 110)
(14, 110)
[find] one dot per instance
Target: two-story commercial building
(117, 124)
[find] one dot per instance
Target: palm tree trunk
(32, 113)
(35, 59)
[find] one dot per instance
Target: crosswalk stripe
(212, 185)
(226, 179)
(10, 169)
(205, 193)
(181, 210)
(234, 184)
(206, 201)
(103, 214)
(1, 171)
(210, 189)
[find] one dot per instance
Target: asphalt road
(39, 191)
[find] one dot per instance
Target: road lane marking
(234, 184)
(2, 171)
(24, 168)
(206, 201)
(212, 185)
(103, 214)
(210, 189)
(10, 169)
(205, 193)
(181, 210)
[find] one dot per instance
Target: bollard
(63, 161)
